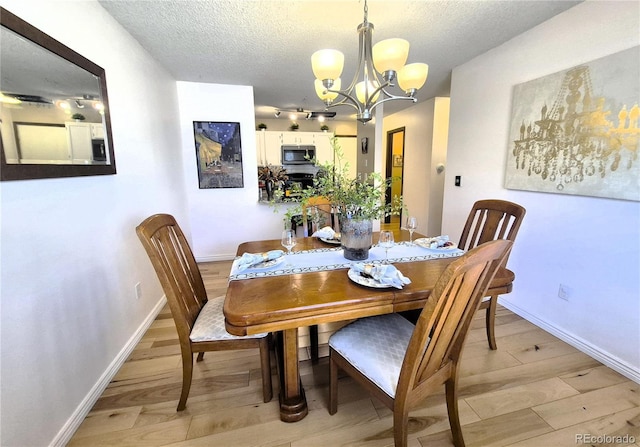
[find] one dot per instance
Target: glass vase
(356, 238)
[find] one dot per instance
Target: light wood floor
(535, 390)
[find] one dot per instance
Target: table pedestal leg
(293, 403)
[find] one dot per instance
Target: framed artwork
(397, 161)
(364, 145)
(577, 131)
(218, 154)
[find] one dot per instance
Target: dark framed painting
(218, 154)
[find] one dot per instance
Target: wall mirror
(54, 112)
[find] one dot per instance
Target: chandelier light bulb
(412, 77)
(363, 93)
(390, 55)
(327, 64)
(324, 94)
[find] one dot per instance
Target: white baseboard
(66, 432)
(580, 344)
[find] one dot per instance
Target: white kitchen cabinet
(269, 145)
(298, 138)
(272, 144)
(260, 149)
(97, 131)
(322, 142)
(79, 138)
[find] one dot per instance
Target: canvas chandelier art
(577, 131)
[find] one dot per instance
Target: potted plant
(356, 202)
(324, 128)
(78, 117)
(294, 126)
(273, 178)
(262, 126)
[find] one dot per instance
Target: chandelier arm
(392, 97)
(353, 102)
(375, 92)
(343, 102)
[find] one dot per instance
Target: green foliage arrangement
(353, 198)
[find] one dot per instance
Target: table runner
(322, 259)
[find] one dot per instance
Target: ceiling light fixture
(388, 57)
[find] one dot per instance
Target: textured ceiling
(268, 43)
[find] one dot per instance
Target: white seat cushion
(209, 325)
(376, 347)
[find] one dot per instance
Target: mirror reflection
(53, 110)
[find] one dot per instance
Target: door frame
(389, 167)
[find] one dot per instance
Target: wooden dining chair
(316, 213)
(199, 320)
(401, 364)
(490, 220)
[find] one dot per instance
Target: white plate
(330, 241)
(425, 241)
(367, 282)
(267, 264)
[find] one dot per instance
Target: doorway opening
(394, 169)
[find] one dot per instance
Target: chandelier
(378, 67)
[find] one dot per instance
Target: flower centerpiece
(356, 202)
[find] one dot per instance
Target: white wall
(590, 244)
(425, 146)
(222, 218)
(69, 254)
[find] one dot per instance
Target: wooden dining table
(285, 303)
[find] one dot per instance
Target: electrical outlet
(138, 291)
(564, 292)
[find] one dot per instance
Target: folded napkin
(325, 232)
(438, 241)
(249, 259)
(383, 273)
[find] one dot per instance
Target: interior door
(394, 169)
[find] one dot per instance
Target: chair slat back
(443, 324)
(490, 220)
(319, 209)
(176, 268)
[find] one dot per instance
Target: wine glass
(412, 224)
(386, 242)
(288, 240)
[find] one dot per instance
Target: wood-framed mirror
(54, 111)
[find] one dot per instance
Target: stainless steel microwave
(298, 155)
